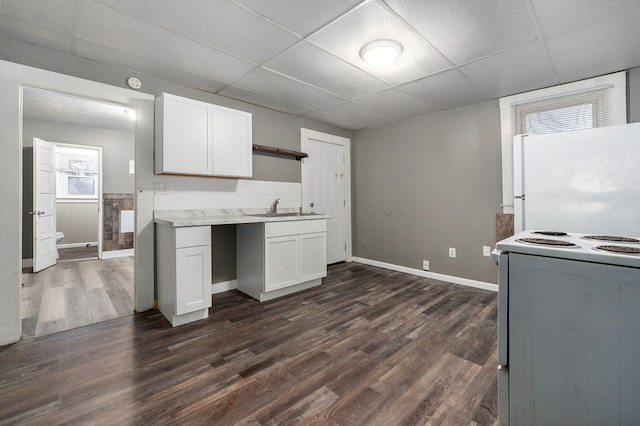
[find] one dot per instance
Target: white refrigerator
(586, 181)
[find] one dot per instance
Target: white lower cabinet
(183, 259)
(281, 262)
(279, 258)
(313, 256)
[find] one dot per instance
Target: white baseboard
(112, 254)
(27, 263)
(76, 245)
(448, 278)
(224, 286)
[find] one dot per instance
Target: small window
(77, 173)
(561, 114)
(576, 117)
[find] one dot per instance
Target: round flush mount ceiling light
(381, 53)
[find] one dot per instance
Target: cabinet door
(232, 142)
(281, 262)
(313, 256)
(186, 136)
(193, 279)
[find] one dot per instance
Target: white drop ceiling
(302, 56)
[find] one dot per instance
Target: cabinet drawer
(278, 229)
(193, 236)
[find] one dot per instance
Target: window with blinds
(76, 173)
(563, 113)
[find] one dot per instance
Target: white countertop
(182, 218)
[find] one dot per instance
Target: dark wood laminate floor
(75, 293)
(368, 347)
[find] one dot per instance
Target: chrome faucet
(274, 206)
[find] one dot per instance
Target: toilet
(59, 237)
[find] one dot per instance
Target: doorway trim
(100, 187)
(305, 136)
(14, 76)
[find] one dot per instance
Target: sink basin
(282, 214)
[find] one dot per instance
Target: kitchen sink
(282, 214)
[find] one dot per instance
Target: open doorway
(91, 276)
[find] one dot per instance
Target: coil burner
(611, 238)
(551, 233)
(546, 242)
(634, 251)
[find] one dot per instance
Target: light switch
(132, 167)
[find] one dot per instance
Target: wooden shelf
(286, 152)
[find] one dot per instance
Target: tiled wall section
(504, 226)
(112, 239)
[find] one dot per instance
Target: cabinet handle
(311, 205)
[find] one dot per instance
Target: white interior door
(326, 180)
(44, 204)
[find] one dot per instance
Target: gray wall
(426, 184)
(633, 95)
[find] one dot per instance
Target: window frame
(63, 174)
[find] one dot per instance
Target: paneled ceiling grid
(302, 56)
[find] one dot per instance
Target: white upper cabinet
(198, 138)
(232, 142)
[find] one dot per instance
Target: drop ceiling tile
(95, 23)
(393, 103)
(372, 21)
(54, 14)
(336, 121)
(318, 68)
(447, 90)
(261, 100)
(221, 24)
(355, 113)
(21, 30)
(107, 55)
(517, 70)
(555, 17)
(464, 30)
(279, 87)
(600, 48)
(301, 16)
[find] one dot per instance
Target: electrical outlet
(486, 251)
(162, 188)
(425, 265)
(452, 252)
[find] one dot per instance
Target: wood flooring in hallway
(76, 293)
(368, 347)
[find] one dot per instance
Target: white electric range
(608, 249)
(568, 328)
